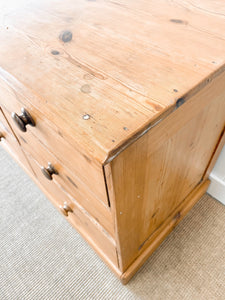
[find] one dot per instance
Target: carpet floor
(43, 257)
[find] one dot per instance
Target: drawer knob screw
(49, 171)
(65, 208)
(23, 120)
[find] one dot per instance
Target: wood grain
(156, 239)
(153, 176)
(217, 151)
(80, 219)
(69, 182)
(123, 61)
(128, 98)
(53, 138)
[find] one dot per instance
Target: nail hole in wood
(55, 52)
(86, 117)
(66, 36)
(177, 21)
(86, 89)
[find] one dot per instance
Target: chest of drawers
(116, 109)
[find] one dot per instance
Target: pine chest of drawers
(116, 109)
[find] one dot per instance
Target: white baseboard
(217, 188)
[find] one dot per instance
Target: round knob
(49, 171)
(1, 136)
(23, 120)
(65, 208)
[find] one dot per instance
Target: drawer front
(78, 217)
(9, 141)
(90, 172)
(69, 182)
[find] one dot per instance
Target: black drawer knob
(49, 171)
(65, 208)
(23, 120)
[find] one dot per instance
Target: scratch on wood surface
(83, 66)
(178, 21)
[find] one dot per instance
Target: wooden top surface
(125, 63)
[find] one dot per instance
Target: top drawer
(89, 171)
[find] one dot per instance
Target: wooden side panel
(159, 235)
(155, 174)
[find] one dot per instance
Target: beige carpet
(42, 257)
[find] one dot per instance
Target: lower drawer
(77, 216)
(69, 182)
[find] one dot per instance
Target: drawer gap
(106, 186)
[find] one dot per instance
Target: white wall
(217, 186)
